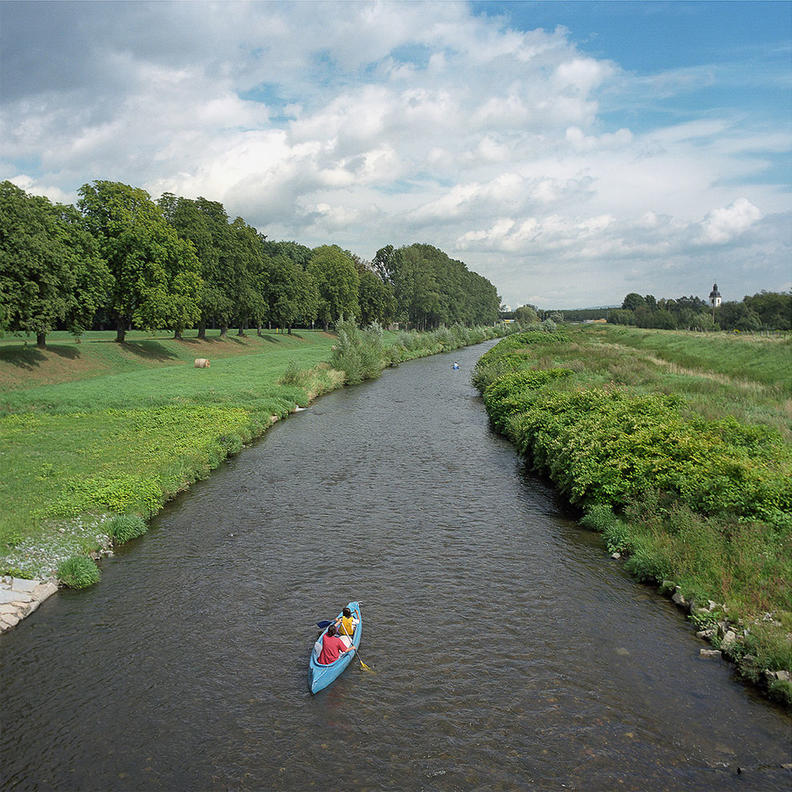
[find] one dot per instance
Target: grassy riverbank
(95, 429)
(139, 426)
(678, 447)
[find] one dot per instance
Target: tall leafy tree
(300, 254)
(526, 314)
(50, 267)
(290, 292)
(376, 299)
(432, 289)
(92, 278)
(632, 301)
(249, 275)
(205, 224)
(337, 280)
(156, 275)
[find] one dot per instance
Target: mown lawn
(128, 439)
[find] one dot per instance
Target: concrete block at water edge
(44, 590)
(21, 584)
(9, 595)
(9, 620)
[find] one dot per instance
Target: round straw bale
(201, 363)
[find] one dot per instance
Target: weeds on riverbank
(125, 527)
(362, 354)
(689, 492)
(79, 572)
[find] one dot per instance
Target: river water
(509, 652)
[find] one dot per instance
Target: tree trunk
(223, 331)
(202, 331)
(120, 331)
(41, 340)
(177, 334)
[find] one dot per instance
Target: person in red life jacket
(332, 647)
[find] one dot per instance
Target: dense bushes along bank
(698, 500)
(124, 443)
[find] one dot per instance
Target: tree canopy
(122, 259)
(50, 268)
(156, 274)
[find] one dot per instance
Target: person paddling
(345, 624)
(332, 647)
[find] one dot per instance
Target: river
(508, 651)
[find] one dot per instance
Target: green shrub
(647, 562)
(78, 572)
(294, 375)
(24, 574)
(781, 690)
(125, 527)
(359, 353)
(598, 517)
(616, 533)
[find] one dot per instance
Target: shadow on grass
(70, 352)
(30, 357)
(22, 356)
(150, 350)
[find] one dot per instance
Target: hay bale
(201, 363)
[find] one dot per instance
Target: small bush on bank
(79, 572)
(294, 375)
(125, 527)
(23, 574)
(359, 353)
(615, 532)
(781, 690)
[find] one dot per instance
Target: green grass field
(98, 427)
(719, 374)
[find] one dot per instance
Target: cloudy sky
(569, 152)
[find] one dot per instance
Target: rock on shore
(20, 597)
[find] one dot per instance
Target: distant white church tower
(715, 299)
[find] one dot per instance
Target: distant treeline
(119, 260)
(764, 311)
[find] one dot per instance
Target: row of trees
(763, 311)
(122, 260)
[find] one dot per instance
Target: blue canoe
(320, 675)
